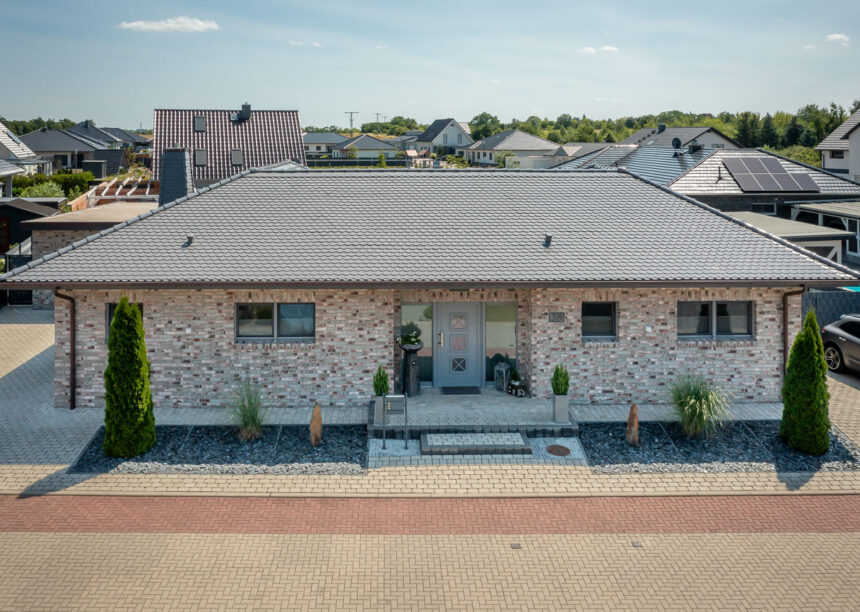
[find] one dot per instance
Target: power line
(351, 115)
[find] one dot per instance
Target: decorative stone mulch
(739, 446)
(214, 449)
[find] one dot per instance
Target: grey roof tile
(58, 140)
(473, 227)
(837, 140)
(323, 138)
(514, 140)
(649, 137)
(7, 169)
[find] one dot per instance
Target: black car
(842, 343)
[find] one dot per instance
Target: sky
(114, 62)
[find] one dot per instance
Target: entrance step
(474, 444)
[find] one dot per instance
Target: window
(718, 145)
(200, 123)
(491, 157)
(852, 244)
(110, 308)
(599, 320)
(237, 157)
(258, 323)
(714, 319)
(837, 155)
(459, 139)
(199, 157)
(765, 209)
(422, 316)
(444, 139)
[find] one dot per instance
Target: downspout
(72, 376)
(785, 346)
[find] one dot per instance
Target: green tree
(351, 153)
(564, 121)
(767, 135)
(381, 161)
(47, 189)
(855, 106)
(129, 420)
(747, 130)
(485, 125)
(609, 136)
(585, 133)
(502, 157)
(807, 138)
(806, 155)
(792, 133)
(805, 420)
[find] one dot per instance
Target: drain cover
(558, 450)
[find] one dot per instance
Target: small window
(598, 320)
(237, 157)
(444, 138)
(837, 154)
(109, 311)
(254, 321)
(296, 322)
(714, 319)
(200, 123)
(267, 322)
(764, 209)
(199, 157)
(459, 139)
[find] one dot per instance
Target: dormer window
(200, 123)
(200, 157)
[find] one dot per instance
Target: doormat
(461, 391)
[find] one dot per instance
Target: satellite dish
(676, 143)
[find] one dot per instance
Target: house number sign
(556, 317)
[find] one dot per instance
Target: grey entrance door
(457, 352)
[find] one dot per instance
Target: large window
(715, 319)
(500, 323)
(422, 316)
(599, 320)
(110, 309)
(257, 322)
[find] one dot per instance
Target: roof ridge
(777, 239)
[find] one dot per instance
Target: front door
(457, 349)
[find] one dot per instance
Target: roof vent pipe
(547, 240)
(245, 113)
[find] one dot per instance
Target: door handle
(441, 339)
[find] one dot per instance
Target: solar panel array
(766, 174)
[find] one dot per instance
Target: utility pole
(377, 123)
(351, 115)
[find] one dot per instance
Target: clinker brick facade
(196, 360)
(49, 241)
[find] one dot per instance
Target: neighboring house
(7, 171)
(13, 215)
(840, 151)
(628, 285)
(88, 130)
(66, 149)
(128, 138)
(318, 144)
(226, 142)
(564, 153)
(14, 151)
(757, 180)
(406, 141)
(365, 147)
(52, 233)
(516, 142)
(822, 240)
(662, 136)
(841, 215)
(660, 165)
(443, 136)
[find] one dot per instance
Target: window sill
(715, 341)
(600, 340)
(269, 344)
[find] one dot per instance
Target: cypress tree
(805, 420)
(767, 134)
(792, 133)
(129, 420)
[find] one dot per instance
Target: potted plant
(560, 382)
(410, 342)
(380, 389)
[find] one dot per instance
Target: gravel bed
(739, 446)
(216, 449)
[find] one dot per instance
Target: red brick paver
(658, 515)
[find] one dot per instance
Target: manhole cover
(558, 450)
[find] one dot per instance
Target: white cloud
(841, 39)
(494, 81)
(587, 50)
(381, 47)
(174, 24)
(808, 47)
(609, 48)
(601, 98)
(316, 44)
(297, 43)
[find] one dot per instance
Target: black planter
(411, 382)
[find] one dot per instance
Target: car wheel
(833, 357)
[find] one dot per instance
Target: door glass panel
(458, 321)
(500, 332)
(422, 316)
(458, 364)
(458, 343)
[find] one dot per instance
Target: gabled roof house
(443, 136)
(364, 146)
(318, 144)
(225, 142)
(662, 136)
(627, 284)
(840, 151)
(486, 152)
(14, 151)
